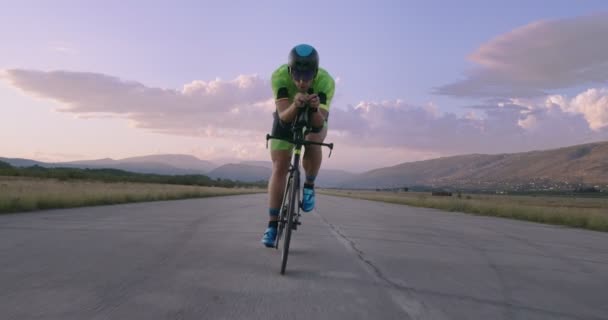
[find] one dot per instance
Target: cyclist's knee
(280, 165)
(318, 136)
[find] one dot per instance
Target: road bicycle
(289, 216)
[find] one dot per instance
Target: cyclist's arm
(286, 111)
(325, 91)
(318, 118)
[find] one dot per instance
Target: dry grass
(587, 213)
(27, 194)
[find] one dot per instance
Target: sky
(415, 80)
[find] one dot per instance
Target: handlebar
(302, 142)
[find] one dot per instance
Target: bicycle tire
(283, 212)
(290, 221)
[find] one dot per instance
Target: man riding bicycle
(298, 84)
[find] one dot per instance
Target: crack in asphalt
(416, 309)
(413, 309)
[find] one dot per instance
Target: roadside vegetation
(37, 188)
(580, 212)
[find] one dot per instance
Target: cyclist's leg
(276, 186)
(313, 155)
(281, 157)
(280, 153)
(311, 161)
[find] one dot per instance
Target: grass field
(579, 212)
(27, 194)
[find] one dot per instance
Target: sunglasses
(306, 75)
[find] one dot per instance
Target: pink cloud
(199, 109)
(498, 127)
(536, 58)
(240, 110)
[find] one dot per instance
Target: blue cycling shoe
(270, 235)
(308, 199)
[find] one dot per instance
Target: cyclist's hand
(313, 101)
(300, 99)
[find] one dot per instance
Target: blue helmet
(303, 62)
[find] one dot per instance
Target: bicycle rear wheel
(292, 193)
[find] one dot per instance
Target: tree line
(116, 175)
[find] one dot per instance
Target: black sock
(273, 224)
(309, 183)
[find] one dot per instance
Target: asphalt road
(351, 259)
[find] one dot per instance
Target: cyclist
(297, 84)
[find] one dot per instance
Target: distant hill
(246, 171)
(180, 161)
(265, 164)
(155, 164)
(331, 178)
(557, 168)
(242, 172)
(19, 162)
(139, 167)
(251, 171)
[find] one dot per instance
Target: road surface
(351, 259)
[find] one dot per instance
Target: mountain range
(168, 164)
(555, 169)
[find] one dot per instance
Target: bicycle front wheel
(292, 193)
(284, 211)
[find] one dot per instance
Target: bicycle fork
(296, 176)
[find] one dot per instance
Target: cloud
(537, 58)
(592, 104)
(241, 109)
(200, 108)
(496, 127)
